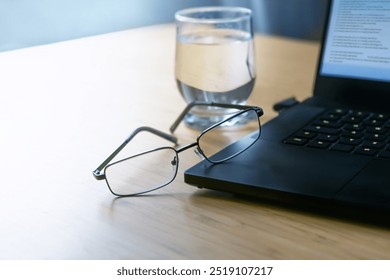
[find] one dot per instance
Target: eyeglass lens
(218, 138)
(142, 173)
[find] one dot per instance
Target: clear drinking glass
(214, 60)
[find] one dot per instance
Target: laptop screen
(357, 43)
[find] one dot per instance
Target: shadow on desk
(195, 223)
(305, 207)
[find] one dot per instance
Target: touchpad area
(370, 187)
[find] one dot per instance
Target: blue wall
(34, 22)
(25, 23)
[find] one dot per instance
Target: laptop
(333, 148)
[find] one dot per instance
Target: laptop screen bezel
(350, 91)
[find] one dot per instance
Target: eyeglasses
(154, 169)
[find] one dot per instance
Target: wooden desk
(64, 107)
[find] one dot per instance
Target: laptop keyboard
(347, 131)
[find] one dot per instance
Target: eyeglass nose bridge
(197, 149)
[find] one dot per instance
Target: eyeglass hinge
(98, 175)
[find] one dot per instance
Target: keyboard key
(339, 111)
(296, 141)
(319, 144)
(328, 123)
(375, 137)
(352, 119)
(374, 122)
(331, 117)
(373, 144)
(355, 126)
(366, 151)
(306, 134)
(359, 114)
(322, 129)
(350, 141)
(352, 134)
(380, 117)
(328, 138)
(342, 148)
(376, 129)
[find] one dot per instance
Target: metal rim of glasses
(176, 164)
(209, 158)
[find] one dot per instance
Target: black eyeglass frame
(97, 173)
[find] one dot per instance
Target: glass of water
(214, 60)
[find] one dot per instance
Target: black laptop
(334, 148)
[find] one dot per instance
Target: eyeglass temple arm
(213, 104)
(97, 173)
